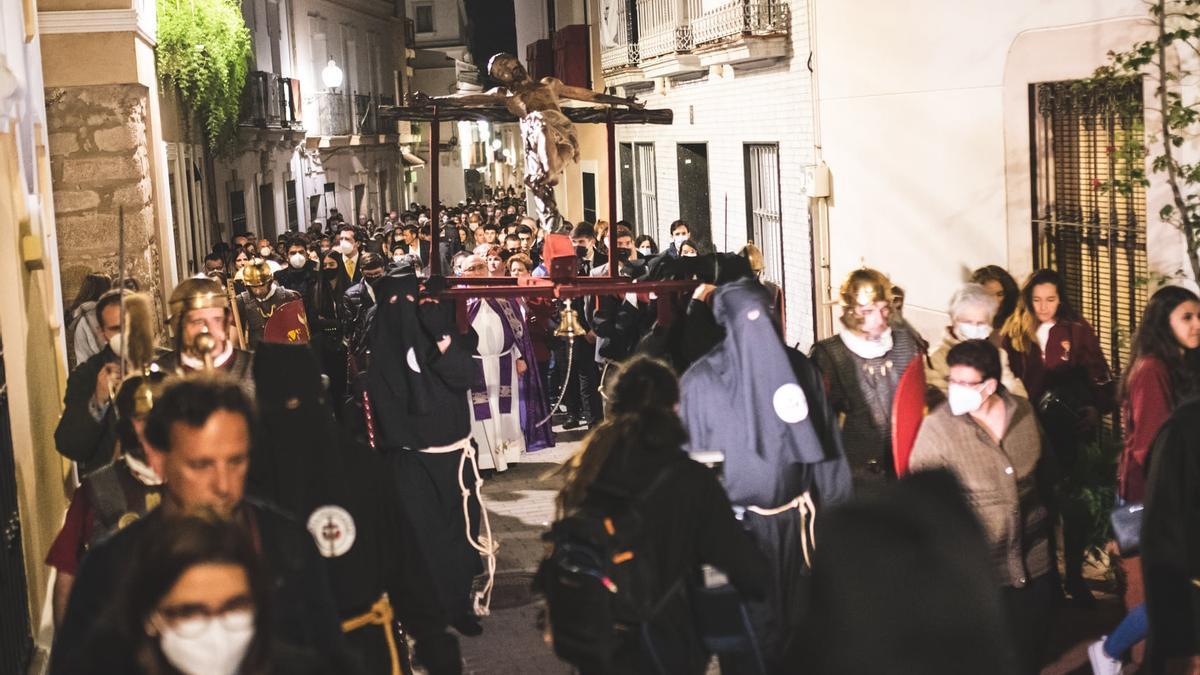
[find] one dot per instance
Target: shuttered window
(1086, 225)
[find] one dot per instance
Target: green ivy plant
(1178, 31)
(204, 52)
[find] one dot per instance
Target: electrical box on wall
(817, 180)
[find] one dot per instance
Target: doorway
(695, 209)
(589, 196)
(627, 197)
(266, 211)
(764, 218)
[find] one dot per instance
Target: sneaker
(1102, 663)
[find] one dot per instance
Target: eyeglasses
(191, 619)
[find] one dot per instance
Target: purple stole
(512, 331)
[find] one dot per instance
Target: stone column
(99, 160)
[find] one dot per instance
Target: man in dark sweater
(202, 428)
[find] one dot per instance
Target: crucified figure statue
(546, 133)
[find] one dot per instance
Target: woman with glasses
(195, 602)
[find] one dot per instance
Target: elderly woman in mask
(972, 313)
(196, 602)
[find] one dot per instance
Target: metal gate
(764, 218)
(16, 641)
(1089, 203)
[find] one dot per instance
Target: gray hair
(973, 295)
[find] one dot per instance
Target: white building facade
(313, 139)
(733, 163)
(954, 140)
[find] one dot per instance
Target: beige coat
(1001, 482)
(937, 370)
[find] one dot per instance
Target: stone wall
(100, 164)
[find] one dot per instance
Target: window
(266, 211)
(237, 211)
(628, 198)
(293, 214)
(764, 221)
(1095, 238)
(691, 160)
(645, 187)
(423, 17)
(589, 196)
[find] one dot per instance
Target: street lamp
(331, 75)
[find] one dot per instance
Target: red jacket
(1147, 405)
(1072, 348)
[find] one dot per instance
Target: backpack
(601, 572)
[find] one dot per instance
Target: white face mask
(688, 255)
(345, 247)
(963, 399)
(116, 343)
(298, 260)
(265, 251)
(679, 241)
(215, 650)
(646, 251)
(973, 331)
(398, 258)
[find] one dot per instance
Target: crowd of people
(296, 471)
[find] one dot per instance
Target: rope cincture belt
(486, 545)
(808, 519)
(380, 614)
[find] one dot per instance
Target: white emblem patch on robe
(411, 357)
(332, 528)
(790, 403)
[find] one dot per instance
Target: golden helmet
(257, 273)
(863, 287)
(753, 254)
(194, 293)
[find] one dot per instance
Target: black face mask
(372, 281)
(329, 273)
(623, 254)
(581, 251)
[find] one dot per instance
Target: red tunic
(71, 542)
(1146, 406)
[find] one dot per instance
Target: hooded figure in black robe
(1170, 538)
(420, 372)
(763, 406)
(342, 491)
(903, 584)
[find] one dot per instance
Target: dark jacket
(304, 609)
(690, 521)
(1171, 536)
(79, 436)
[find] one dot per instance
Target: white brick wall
(768, 105)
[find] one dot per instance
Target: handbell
(568, 324)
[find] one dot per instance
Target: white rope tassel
(808, 522)
(486, 546)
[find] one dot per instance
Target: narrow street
(521, 505)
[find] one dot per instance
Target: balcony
(742, 33)
(270, 101)
(333, 114)
(676, 37)
(344, 119)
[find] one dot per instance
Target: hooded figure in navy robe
(763, 406)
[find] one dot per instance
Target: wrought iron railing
(364, 114)
(664, 27)
(269, 101)
(741, 17)
(621, 56)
